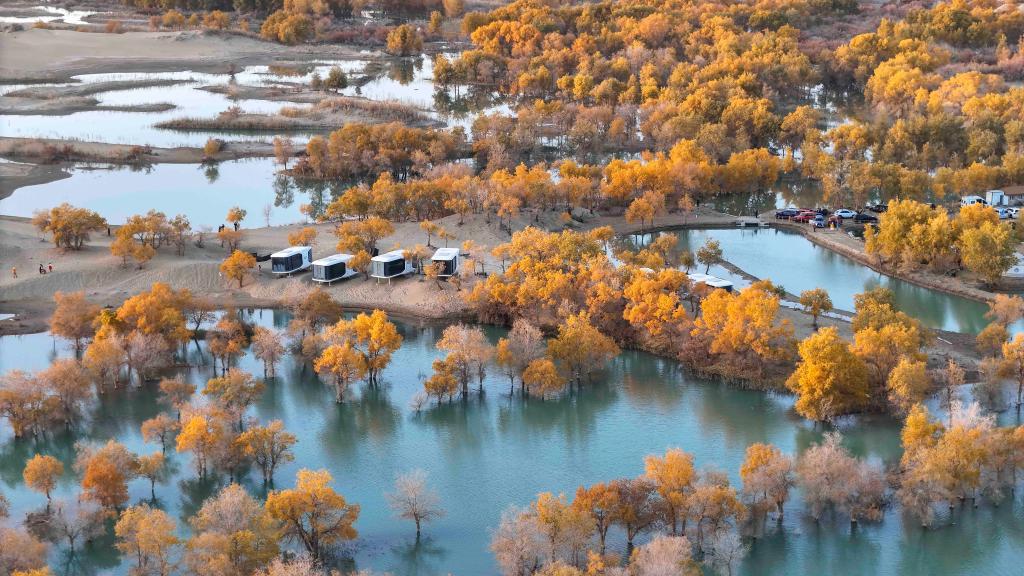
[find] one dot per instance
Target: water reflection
(790, 260)
(485, 454)
(204, 193)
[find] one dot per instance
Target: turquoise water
(789, 259)
(203, 193)
(488, 453)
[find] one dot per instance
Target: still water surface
(790, 260)
(202, 192)
(409, 81)
(486, 454)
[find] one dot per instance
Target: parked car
(804, 217)
(786, 213)
(879, 208)
(1014, 211)
(845, 213)
(862, 218)
(819, 221)
(1004, 213)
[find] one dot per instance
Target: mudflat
(38, 55)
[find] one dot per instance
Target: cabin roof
(290, 251)
(390, 256)
(445, 254)
(332, 259)
(710, 280)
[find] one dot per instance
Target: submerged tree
(414, 500)
(313, 513)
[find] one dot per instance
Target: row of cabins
(333, 268)
(395, 264)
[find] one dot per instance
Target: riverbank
(834, 240)
(853, 248)
(99, 274)
(45, 157)
(38, 55)
(95, 271)
(63, 100)
(329, 113)
(14, 175)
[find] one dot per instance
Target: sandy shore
(14, 175)
(19, 106)
(95, 271)
(38, 55)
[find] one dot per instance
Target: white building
(390, 265)
(449, 257)
(291, 260)
(331, 268)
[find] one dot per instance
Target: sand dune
(54, 55)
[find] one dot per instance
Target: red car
(804, 216)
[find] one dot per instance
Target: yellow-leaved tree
(313, 513)
(541, 378)
(147, 535)
(581, 348)
(673, 475)
(233, 535)
(303, 237)
(372, 335)
(343, 364)
(908, 384)
(238, 266)
(829, 380)
(41, 474)
(73, 317)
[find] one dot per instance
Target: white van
(971, 200)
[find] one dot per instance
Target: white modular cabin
(449, 258)
(291, 260)
(996, 198)
(390, 265)
(971, 200)
(331, 268)
(711, 281)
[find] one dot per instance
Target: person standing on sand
(49, 267)
(14, 272)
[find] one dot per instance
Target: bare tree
(77, 520)
(144, 353)
(414, 500)
(830, 477)
(952, 378)
(726, 552)
(518, 543)
(267, 346)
